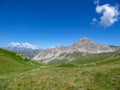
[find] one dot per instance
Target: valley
(96, 72)
(59, 44)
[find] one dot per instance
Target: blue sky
(48, 23)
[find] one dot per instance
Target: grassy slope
(104, 75)
(79, 58)
(99, 77)
(13, 62)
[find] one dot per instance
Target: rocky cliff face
(83, 45)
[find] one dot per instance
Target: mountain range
(84, 46)
(25, 51)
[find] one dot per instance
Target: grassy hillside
(13, 62)
(98, 74)
(82, 58)
(102, 76)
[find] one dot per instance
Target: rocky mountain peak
(84, 41)
(83, 45)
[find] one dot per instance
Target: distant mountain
(83, 45)
(26, 51)
(116, 48)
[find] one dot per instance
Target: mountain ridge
(25, 51)
(83, 45)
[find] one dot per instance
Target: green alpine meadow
(18, 72)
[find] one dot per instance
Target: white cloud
(94, 21)
(110, 14)
(15, 44)
(23, 45)
(96, 2)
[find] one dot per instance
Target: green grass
(81, 58)
(13, 62)
(103, 75)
